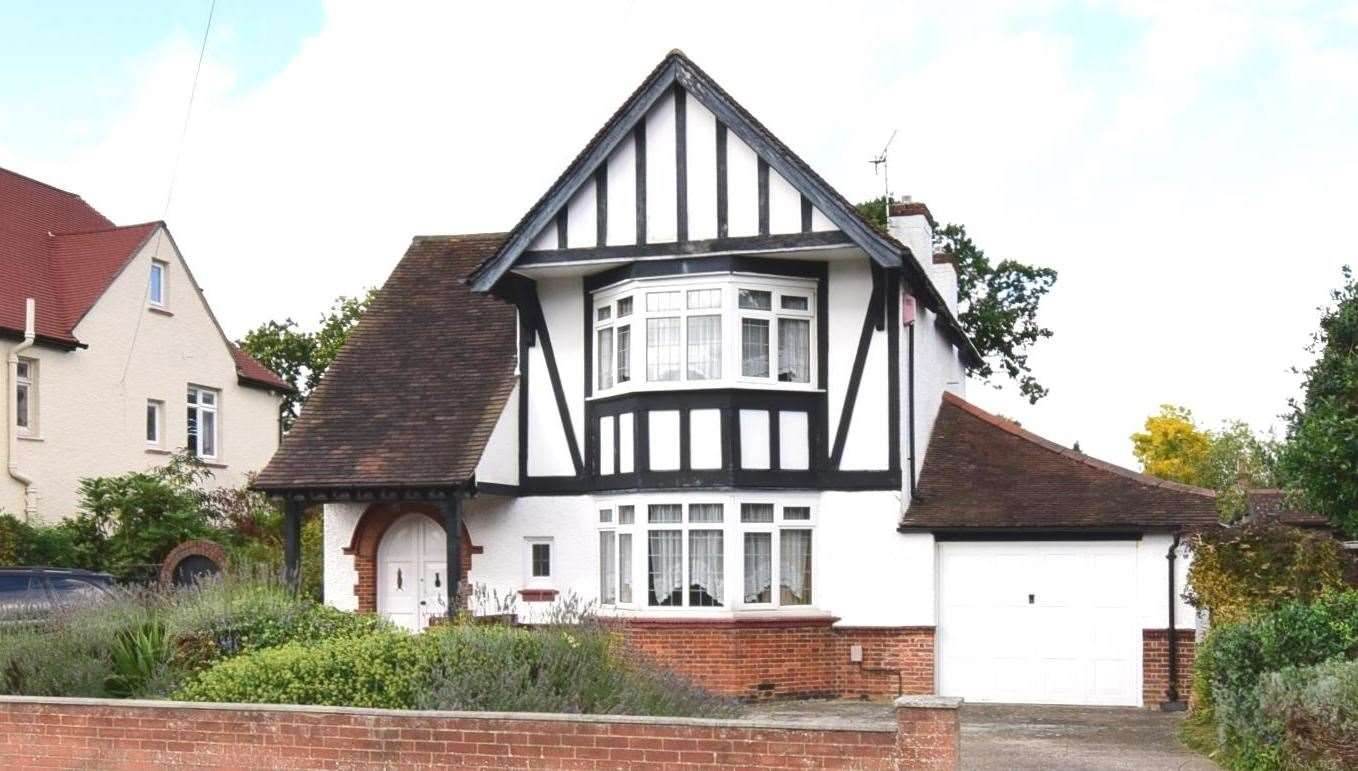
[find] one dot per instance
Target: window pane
(157, 277)
(193, 431)
(662, 349)
(794, 567)
(756, 300)
(23, 370)
(704, 512)
(665, 568)
(152, 423)
(624, 567)
(662, 301)
(208, 398)
(542, 560)
(624, 307)
(607, 567)
(705, 568)
(758, 567)
(704, 347)
(624, 354)
(21, 401)
(796, 512)
(604, 313)
(756, 512)
(193, 396)
(754, 347)
(605, 515)
(605, 357)
(207, 439)
(626, 514)
(703, 299)
(665, 513)
(794, 350)
(795, 303)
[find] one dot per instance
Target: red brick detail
(118, 736)
(1155, 665)
(196, 548)
(537, 595)
(368, 536)
(758, 659)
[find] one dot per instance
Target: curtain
(794, 567)
(704, 347)
(607, 568)
(704, 512)
(754, 347)
(794, 350)
(702, 299)
(624, 567)
(756, 512)
(758, 567)
(665, 513)
(662, 349)
(705, 568)
(666, 567)
(624, 354)
(605, 357)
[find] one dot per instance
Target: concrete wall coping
(928, 702)
(827, 723)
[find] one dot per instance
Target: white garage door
(1039, 622)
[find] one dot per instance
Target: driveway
(1027, 737)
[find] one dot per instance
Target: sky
(1188, 168)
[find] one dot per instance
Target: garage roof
(983, 472)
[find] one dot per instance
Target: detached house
(113, 357)
(695, 386)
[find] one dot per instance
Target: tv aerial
(880, 162)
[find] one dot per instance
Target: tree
(1320, 457)
(997, 303)
(299, 357)
(1227, 460)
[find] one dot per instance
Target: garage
(1039, 622)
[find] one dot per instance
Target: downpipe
(1172, 701)
(12, 423)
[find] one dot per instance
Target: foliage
(1320, 458)
(1174, 447)
(140, 655)
(299, 357)
(25, 543)
(1242, 571)
(997, 303)
(377, 670)
(1317, 711)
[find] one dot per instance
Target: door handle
(422, 602)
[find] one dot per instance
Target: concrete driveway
(1028, 737)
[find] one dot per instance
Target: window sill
(30, 437)
(160, 310)
(672, 386)
(159, 451)
(537, 595)
(797, 614)
(211, 463)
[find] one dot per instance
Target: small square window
(605, 515)
(604, 313)
(704, 299)
(790, 302)
(798, 513)
(756, 512)
(662, 301)
(626, 515)
(624, 307)
(665, 513)
(704, 512)
(756, 300)
(542, 560)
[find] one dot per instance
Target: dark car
(32, 594)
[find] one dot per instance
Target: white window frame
(194, 427)
(531, 581)
(730, 374)
(163, 268)
(156, 408)
(26, 379)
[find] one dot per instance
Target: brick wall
(1155, 665)
(791, 657)
(127, 735)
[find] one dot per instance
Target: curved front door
(412, 575)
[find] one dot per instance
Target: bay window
(690, 324)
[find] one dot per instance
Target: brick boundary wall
(757, 659)
(1155, 665)
(127, 735)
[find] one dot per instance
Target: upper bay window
(705, 332)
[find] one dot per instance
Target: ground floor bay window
(660, 554)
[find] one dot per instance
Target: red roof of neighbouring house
(983, 472)
(1274, 503)
(55, 248)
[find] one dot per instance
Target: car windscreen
(22, 596)
(68, 591)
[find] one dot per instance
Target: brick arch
(374, 524)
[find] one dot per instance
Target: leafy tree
(1320, 457)
(299, 357)
(997, 303)
(1227, 460)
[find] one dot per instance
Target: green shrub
(377, 670)
(140, 656)
(1316, 709)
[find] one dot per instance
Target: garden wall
(115, 735)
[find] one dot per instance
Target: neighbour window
(202, 422)
(541, 559)
(155, 414)
(156, 292)
(25, 391)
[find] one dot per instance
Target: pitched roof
(677, 69)
(379, 419)
(58, 250)
(1273, 502)
(984, 472)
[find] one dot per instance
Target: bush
(1316, 709)
(378, 670)
(1239, 572)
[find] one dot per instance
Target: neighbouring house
(695, 386)
(113, 357)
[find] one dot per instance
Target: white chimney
(911, 223)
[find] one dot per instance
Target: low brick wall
(1155, 665)
(125, 735)
(804, 657)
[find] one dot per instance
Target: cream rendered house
(113, 359)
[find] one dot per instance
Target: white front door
(412, 579)
(1039, 622)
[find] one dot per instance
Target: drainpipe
(11, 424)
(1172, 702)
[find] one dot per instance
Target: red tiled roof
(984, 472)
(1274, 503)
(58, 250)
